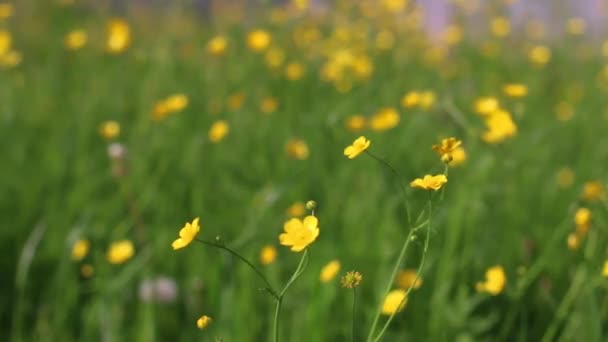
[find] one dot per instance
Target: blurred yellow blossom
(329, 271)
(384, 119)
(7, 10)
(355, 123)
(268, 255)
(539, 55)
(351, 279)
(495, 281)
(429, 182)
(427, 99)
(297, 149)
(605, 269)
(385, 40)
(574, 241)
(236, 100)
(274, 57)
(446, 148)
(299, 233)
(582, 220)
(294, 71)
(170, 105)
(411, 99)
(120, 251)
(203, 322)
(258, 40)
(217, 45)
(394, 6)
(297, 209)
(576, 26)
(593, 191)
(187, 234)
(359, 145)
(565, 177)
(515, 89)
(394, 302)
(407, 278)
(80, 249)
(453, 34)
(269, 105)
(218, 131)
(500, 26)
(486, 105)
(459, 156)
(118, 36)
(500, 126)
(75, 39)
(109, 129)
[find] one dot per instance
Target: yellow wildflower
(297, 209)
(118, 36)
(593, 191)
(351, 279)
(299, 233)
(268, 255)
(394, 6)
(394, 302)
(427, 99)
(329, 271)
(515, 89)
(218, 131)
(187, 234)
(459, 156)
(452, 35)
(294, 71)
(605, 269)
(495, 281)
(500, 126)
(430, 182)
(258, 40)
(359, 145)
(80, 249)
(109, 129)
(120, 251)
(411, 99)
(407, 278)
(75, 39)
(269, 105)
(217, 45)
(574, 241)
(384, 119)
(176, 103)
(486, 105)
(355, 123)
(539, 55)
(274, 57)
(297, 149)
(446, 148)
(203, 322)
(564, 111)
(500, 26)
(576, 26)
(6, 42)
(235, 101)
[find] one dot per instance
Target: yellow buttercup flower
(539, 55)
(500, 126)
(427, 99)
(500, 26)
(297, 149)
(268, 255)
(217, 45)
(459, 156)
(258, 40)
(203, 322)
(109, 129)
(355, 123)
(515, 89)
(495, 281)
(6, 42)
(329, 271)
(297, 209)
(80, 249)
(384, 119)
(593, 191)
(75, 39)
(394, 302)
(118, 36)
(187, 234)
(294, 71)
(574, 241)
(486, 105)
(407, 278)
(411, 99)
(119, 252)
(269, 105)
(430, 182)
(446, 148)
(582, 220)
(170, 105)
(299, 233)
(274, 57)
(358, 146)
(218, 131)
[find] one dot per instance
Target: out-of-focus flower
(109, 129)
(297, 209)
(486, 105)
(118, 36)
(329, 271)
(574, 241)
(297, 149)
(218, 131)
(427, 99)
(161, 290)
(453, 34)
(80, 249)
(217, 45)
(576, 26)
(429, 182)
(258, 40)
(299, 233)
(117, 151)
(274, 57)
(203, 322)
(75, 40)
(236, 100)
(500, 26)
(446, 148)
(351, 279)
(6, 42)
(384, 119)
(394, 6)
(170, 105)
(459, 156)
(385, 40)
(407, 278)
(593, 191)
(495, 281)
(564, 177)
(120, 251)
(268, 255)
(359, 145)
(500, 126)
(411, 99)
(187, 234)
(269, 105)
(539, 55)
(394, 302)
(515, 89)
(605, 269)
(355, 123)
(294, 71)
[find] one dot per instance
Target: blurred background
(123, 120)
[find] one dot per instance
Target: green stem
(269, 287)
(418, 271)
(352, 331)
(279, 298)
(399, 181)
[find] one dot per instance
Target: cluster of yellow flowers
(592, 191)
(118, 252)
(170, 105)
(498, 121)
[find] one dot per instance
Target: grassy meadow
(120, 125)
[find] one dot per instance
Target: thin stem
(277, 311)
(279, 299)
(399, 181)
(352, 332)
(418, 271)
(269, 287)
